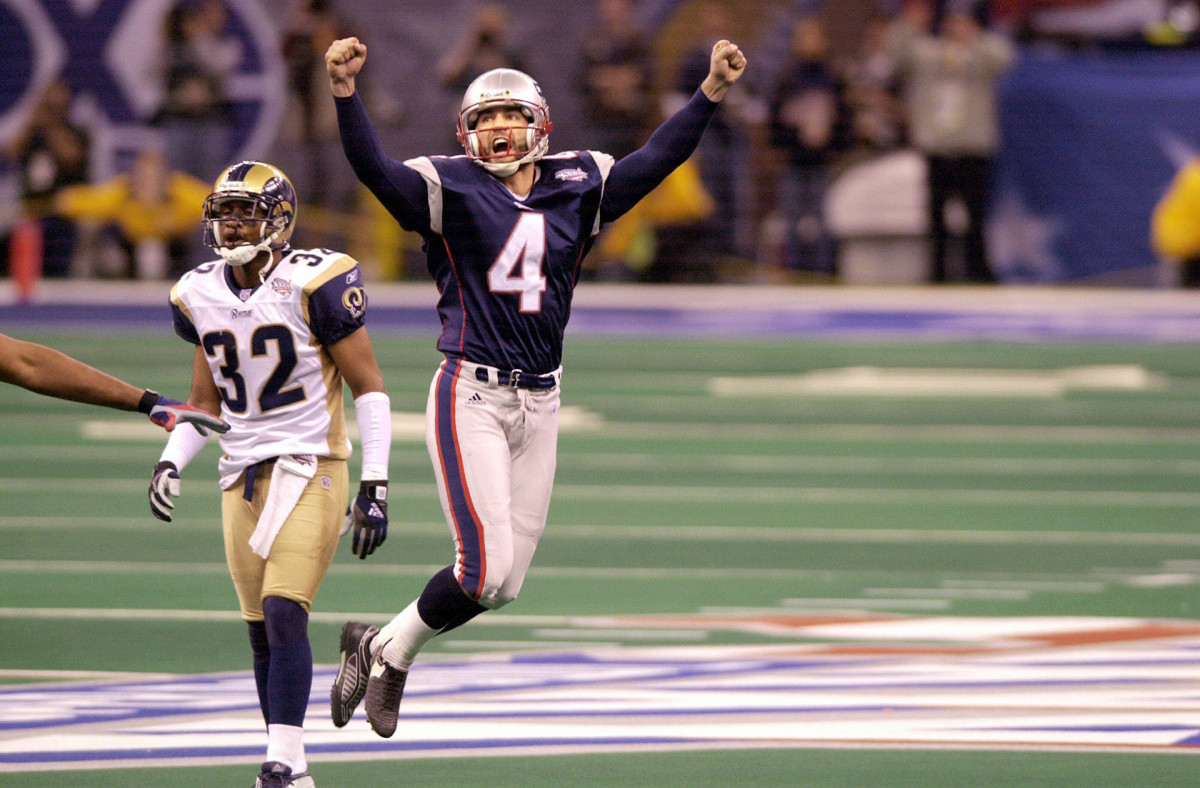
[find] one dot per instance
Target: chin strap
(240, 255)
(507, 168)
(501, 169)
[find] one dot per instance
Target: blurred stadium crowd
(864, 144)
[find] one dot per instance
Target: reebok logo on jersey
(475, 399)
(574, 174)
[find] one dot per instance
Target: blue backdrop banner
(1090, 144)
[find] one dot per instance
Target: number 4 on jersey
(526, 250)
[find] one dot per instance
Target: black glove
(368, 517)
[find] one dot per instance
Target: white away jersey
(281, 392)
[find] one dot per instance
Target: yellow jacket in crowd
(145, 203)
(1175, 226)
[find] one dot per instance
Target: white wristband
(374, 412)
(183, 446)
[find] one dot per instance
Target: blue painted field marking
(1028, 696)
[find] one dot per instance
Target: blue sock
(290, 680)
(443, 604)
(262, 661)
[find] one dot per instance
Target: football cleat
(384, 690)
(278, 775)
(353, 671)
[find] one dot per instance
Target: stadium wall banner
(1090, 143)
(105, 49)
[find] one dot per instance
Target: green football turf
(673, 501)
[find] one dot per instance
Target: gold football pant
(302, 551)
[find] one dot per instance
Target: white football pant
(494, 450)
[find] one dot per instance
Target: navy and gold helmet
(275, 203)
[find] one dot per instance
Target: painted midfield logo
(1088, 684)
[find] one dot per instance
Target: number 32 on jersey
(518, 267)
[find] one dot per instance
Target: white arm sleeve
(183, 446)
(374, 412)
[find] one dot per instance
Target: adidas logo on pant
(475, 399)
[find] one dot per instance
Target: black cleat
(351, 682)
(277, 775)
(384, 690)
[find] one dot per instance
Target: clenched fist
(725, 67)
(343, 60)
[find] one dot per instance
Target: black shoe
(384, 690)
(351, 682)
(278, 775)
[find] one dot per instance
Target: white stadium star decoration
(1021, 243)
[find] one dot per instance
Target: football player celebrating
(505, 228)
(277, 331)
(44, 370)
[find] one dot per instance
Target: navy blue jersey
(506, 267)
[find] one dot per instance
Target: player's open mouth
(500, 147)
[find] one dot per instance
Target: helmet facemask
(273, 201)
(268, 229)
(497, 89)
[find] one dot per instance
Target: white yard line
(922, 465)
(791, 432)
(953, 433)
(84, 675)
(150, 614)
(679, 534)
(737, 494)
(776, 463)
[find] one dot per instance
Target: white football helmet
(505, 87)
(269, 189)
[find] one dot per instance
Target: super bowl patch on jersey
(574, 174)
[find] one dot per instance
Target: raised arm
(636, 175)
(399, 188)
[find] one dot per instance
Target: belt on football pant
(515, 378)
(252, 474)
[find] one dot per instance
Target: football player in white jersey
(277, 331)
